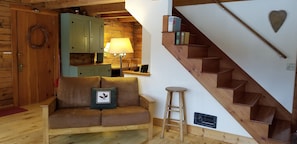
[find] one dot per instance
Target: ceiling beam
(77, 3)
(129, 19)
(36, 1)
(105, 8)
(194, 2)
(115, 15)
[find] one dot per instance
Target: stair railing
(252, 30)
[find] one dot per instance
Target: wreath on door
(41, 28)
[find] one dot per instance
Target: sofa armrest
(49, 105)
(146, 102)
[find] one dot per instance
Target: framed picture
(144, 68)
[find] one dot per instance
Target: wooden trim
(294, 112)
(36, 1)
(194, 2)
(29, 9)
(95, 129)
(213, 134)
(14, 58)
(77, 3)
(252, 30)
(136, 73)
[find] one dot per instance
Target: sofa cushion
(76, 91)
(104, 98)
(75, 117)
(127, 87)
(125, 116)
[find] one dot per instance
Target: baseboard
(221, 136)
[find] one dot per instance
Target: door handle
(21, 67)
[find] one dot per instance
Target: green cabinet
(82, 34)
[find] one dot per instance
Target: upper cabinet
(82, 34)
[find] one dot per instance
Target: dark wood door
(36, 55)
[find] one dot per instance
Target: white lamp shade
(106, 49)
(120, 46)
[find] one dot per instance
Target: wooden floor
(25, 128)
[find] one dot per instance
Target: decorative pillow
(104, 98)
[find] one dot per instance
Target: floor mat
(11, 110)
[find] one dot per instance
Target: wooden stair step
(264, 114)
(224, 78)
(280, 130)
(234, 84)
(197, 51)
(248, 99)
(210, 64)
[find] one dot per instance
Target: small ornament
(277, 18)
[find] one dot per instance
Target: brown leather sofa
(77, 108)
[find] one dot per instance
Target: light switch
(291, 66)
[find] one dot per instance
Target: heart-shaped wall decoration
(277, 18)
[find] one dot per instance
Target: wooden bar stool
(181, 122)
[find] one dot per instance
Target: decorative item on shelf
(120, 47)
(144, 68)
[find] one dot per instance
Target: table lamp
(120, 47)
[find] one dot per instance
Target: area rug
(11, 110)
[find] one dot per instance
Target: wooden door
(36, 55)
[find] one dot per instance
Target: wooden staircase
(266, 120)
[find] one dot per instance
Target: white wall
(254, 56)
(167, 71)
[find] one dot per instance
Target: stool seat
(181, 121)
(176, 89)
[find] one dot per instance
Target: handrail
(252, 30)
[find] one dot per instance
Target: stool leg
(166, 113)
(184, 114)
(181, 117)
(169, 110)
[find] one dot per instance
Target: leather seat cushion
(125, 116)
(75, 117)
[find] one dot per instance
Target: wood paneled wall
(116, 29)
(6, 61)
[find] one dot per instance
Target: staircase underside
(266, 120)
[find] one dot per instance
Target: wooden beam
(116, 15)
(36, 1)
(77, 3)
(129, 19)
(105, 8)
(194, 2)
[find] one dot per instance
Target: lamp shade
(120, 46)
(106, 49)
